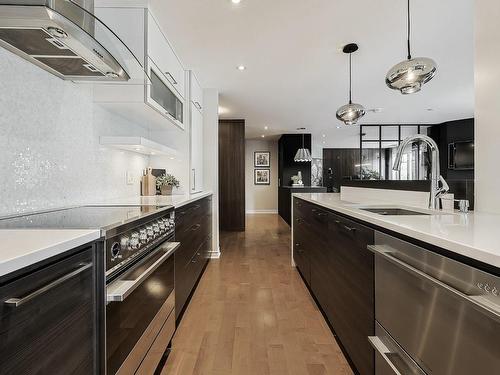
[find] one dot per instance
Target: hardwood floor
(252, 314)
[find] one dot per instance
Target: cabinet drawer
(358, 233)
(160, 51)
(52, 329)
(301, 208)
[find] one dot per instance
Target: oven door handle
(477, 301)
(119, 289)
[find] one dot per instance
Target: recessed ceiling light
(338, 127)
(172, 158)
(236, 1)
(324, 135)
(241, 67)
(266, 127)
(263, 136)
(152, 153)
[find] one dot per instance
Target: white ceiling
(297, 76)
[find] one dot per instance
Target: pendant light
(350, 113)
(303, 155)
(408, 76)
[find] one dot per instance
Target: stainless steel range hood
(64, 38)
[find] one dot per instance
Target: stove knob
(115, 250)
(161, 224)
(124, 242)
(150, 232)
(134, 241)
(143, 236)
(156, 229)
(172, 222)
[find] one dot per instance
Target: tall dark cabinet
(232, 175)
(339, 164)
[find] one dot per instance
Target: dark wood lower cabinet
(50, 318)
(194, 232)
(340, 269)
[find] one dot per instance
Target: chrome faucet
(439, 186)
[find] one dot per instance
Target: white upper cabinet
(196, 92)
(157, 98)
(162, 54)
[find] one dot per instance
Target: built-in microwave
(162, 96)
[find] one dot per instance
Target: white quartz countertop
(24, 247)
(176, 200)
(474, 235)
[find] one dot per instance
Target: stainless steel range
(139, 273)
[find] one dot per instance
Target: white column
(211, 158)
(487, 106)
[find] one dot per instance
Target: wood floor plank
(252, 314)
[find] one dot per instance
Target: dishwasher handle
(477, 301)
(386, 355)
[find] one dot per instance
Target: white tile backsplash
(49, 142)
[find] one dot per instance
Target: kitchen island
(382, 280)
(285, 197)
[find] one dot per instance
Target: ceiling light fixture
(263, 136)
(236, 1)
(350, 113)
(266, 127)
(241, 67)
(303, 155)
(408, 76)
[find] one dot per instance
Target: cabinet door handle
(171, 78)
(16, 302)
(195, 227)
(350, 229)
(197, 105)
(194, 179)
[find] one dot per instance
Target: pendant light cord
(409, 30)
(350, 79)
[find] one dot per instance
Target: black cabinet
(332, 251)
(51, 317)
(193, 230)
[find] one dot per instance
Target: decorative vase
(166, 190)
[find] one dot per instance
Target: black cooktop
(84, 217)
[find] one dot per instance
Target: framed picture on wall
(262, 176)
(262, 159)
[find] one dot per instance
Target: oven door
(140, 311)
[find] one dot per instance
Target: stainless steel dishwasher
(434, 315)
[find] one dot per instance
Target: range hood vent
(65, 39)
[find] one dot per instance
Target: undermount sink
(394, 211)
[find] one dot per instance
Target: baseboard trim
(216, 254)
(256, 212)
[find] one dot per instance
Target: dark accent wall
(339, 165)
(232, 175)
(288, 145)
(461, 181)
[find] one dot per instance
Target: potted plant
(166, 182)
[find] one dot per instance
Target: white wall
(261, 198)
(49, 142)
(487, 114)
(345, 137)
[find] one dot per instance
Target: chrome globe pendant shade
(410, 75)
(303, 155)
(350, 113)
